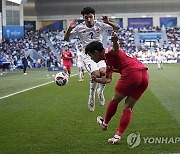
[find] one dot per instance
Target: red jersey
(121, 62)
(66, 56)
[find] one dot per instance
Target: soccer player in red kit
(66, 55)
(131, 85)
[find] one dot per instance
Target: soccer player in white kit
(88, 31)
(160, 58)
(80, 66)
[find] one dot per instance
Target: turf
(52, 119)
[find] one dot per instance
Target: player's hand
(93, 78)
(105, 19)
(114, 37)
(73, 24)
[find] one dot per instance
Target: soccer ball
(61, 79)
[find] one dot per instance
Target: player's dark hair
(94, 46)
(87, 10)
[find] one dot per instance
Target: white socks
(92, 89)
(101, 87)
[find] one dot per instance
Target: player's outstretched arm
(114, 39)
(72, 25)
(114, 25)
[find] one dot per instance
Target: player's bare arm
(102, 80)
(107, 21)
(72, 25)
(114, 39)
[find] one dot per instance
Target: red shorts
(133, 83)
(67, 66)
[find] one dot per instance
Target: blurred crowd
(12, 51)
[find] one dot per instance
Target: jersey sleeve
(106, 27)
(74, 33)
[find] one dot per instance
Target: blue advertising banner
(150, 36)
(13, 32)
(168, 21)
(54, 26)
(140, 22)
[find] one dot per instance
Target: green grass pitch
(52, 119)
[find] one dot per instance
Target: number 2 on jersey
(91, 35)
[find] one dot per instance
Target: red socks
(124, 121)
(125, 118)
(110, 111)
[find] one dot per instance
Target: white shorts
(92, 66)
(79, 64)
(159, 61)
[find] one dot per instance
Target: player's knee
(129, 103)
(117, 98)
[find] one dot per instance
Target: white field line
(25, 90)
(28, 89)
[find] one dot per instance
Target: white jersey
(79, 58)
(87, 34)
(160, 56)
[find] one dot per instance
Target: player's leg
(131, 85)
(92, 69)
(69, 72)
(93, 85)
(100, 90)
(80, 70)
(124, 120)
(80, 73)
(65, 69)
(113, 104)
(126, 115)
(159, 64)
(123, 88)
(110, 110)
(130, 102)
(24, 69)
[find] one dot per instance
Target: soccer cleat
(101, 97)
(100, 121)
(80, 80)
(115, 139)
(91, 103)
